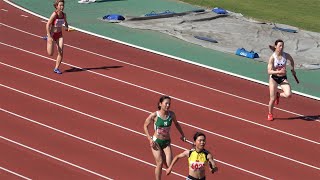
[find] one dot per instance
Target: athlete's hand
(153, 144)
(168, 171)
(49, 39)
(213, 170)
(184, 139)
(283, 71)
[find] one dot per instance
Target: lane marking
(113, 100)
(53, 157)
(162, 54)
(94, 117)
(85, 140)
(19, 175)
(203, 107)
(133, 131)
(23, 15)
(4, 10)
(164, 74)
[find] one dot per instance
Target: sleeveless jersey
(162, 126)
(58, 22)
(279, 63)
(196, 159)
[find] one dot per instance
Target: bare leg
(168, 156)
(273, 93)
(60, 52)
(50, 47)
(285, 86)
(157, 153)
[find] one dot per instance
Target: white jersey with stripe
(279, 63)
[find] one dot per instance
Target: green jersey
(162, 126)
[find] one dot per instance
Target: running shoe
(276, 102)
(270, 117)
(86, 1)
(57, 71)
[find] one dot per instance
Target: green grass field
(302, 14)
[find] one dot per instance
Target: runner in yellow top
(160, 141)
(198, 158)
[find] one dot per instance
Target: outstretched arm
(176, 123)
(175, 159)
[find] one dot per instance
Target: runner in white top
(278, 75)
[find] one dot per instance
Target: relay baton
(190, 142)
(295, 77)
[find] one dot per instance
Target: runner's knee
(288, 95)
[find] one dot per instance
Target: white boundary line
(7, 170)
(53, 157)
(162, 54)
(234, 140)
(130, 130)
(157, 72)
(84, 140)
(187, 102)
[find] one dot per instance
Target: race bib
(58, 22)
(163, 130)
(196, 165)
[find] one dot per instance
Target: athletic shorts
(193, 178)
(161, 142)
(56, 35)
(278, 79)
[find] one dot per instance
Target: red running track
(109, 91)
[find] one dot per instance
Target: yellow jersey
(197, 160)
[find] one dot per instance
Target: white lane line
(133, 131)
(23, 15)
(4, 10)
(203, 107)
(84, 140)
(171, 76)
(53, 157)
(19, 175)
(162, 54)
(234, 140)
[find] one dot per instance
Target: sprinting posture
(278, 75)
(54, 32)
(160, 142)
(198, 158)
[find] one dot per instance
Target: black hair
(162, 98)
(197, 134)
(277, 41)
(56, 2)
(273, 48)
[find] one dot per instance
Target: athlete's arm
(65, 21)
(212, 165)
(175, 159)
(148, 121)
(49, 24)
(176, 123)
(289, 57)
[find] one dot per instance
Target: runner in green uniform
(160, 141)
